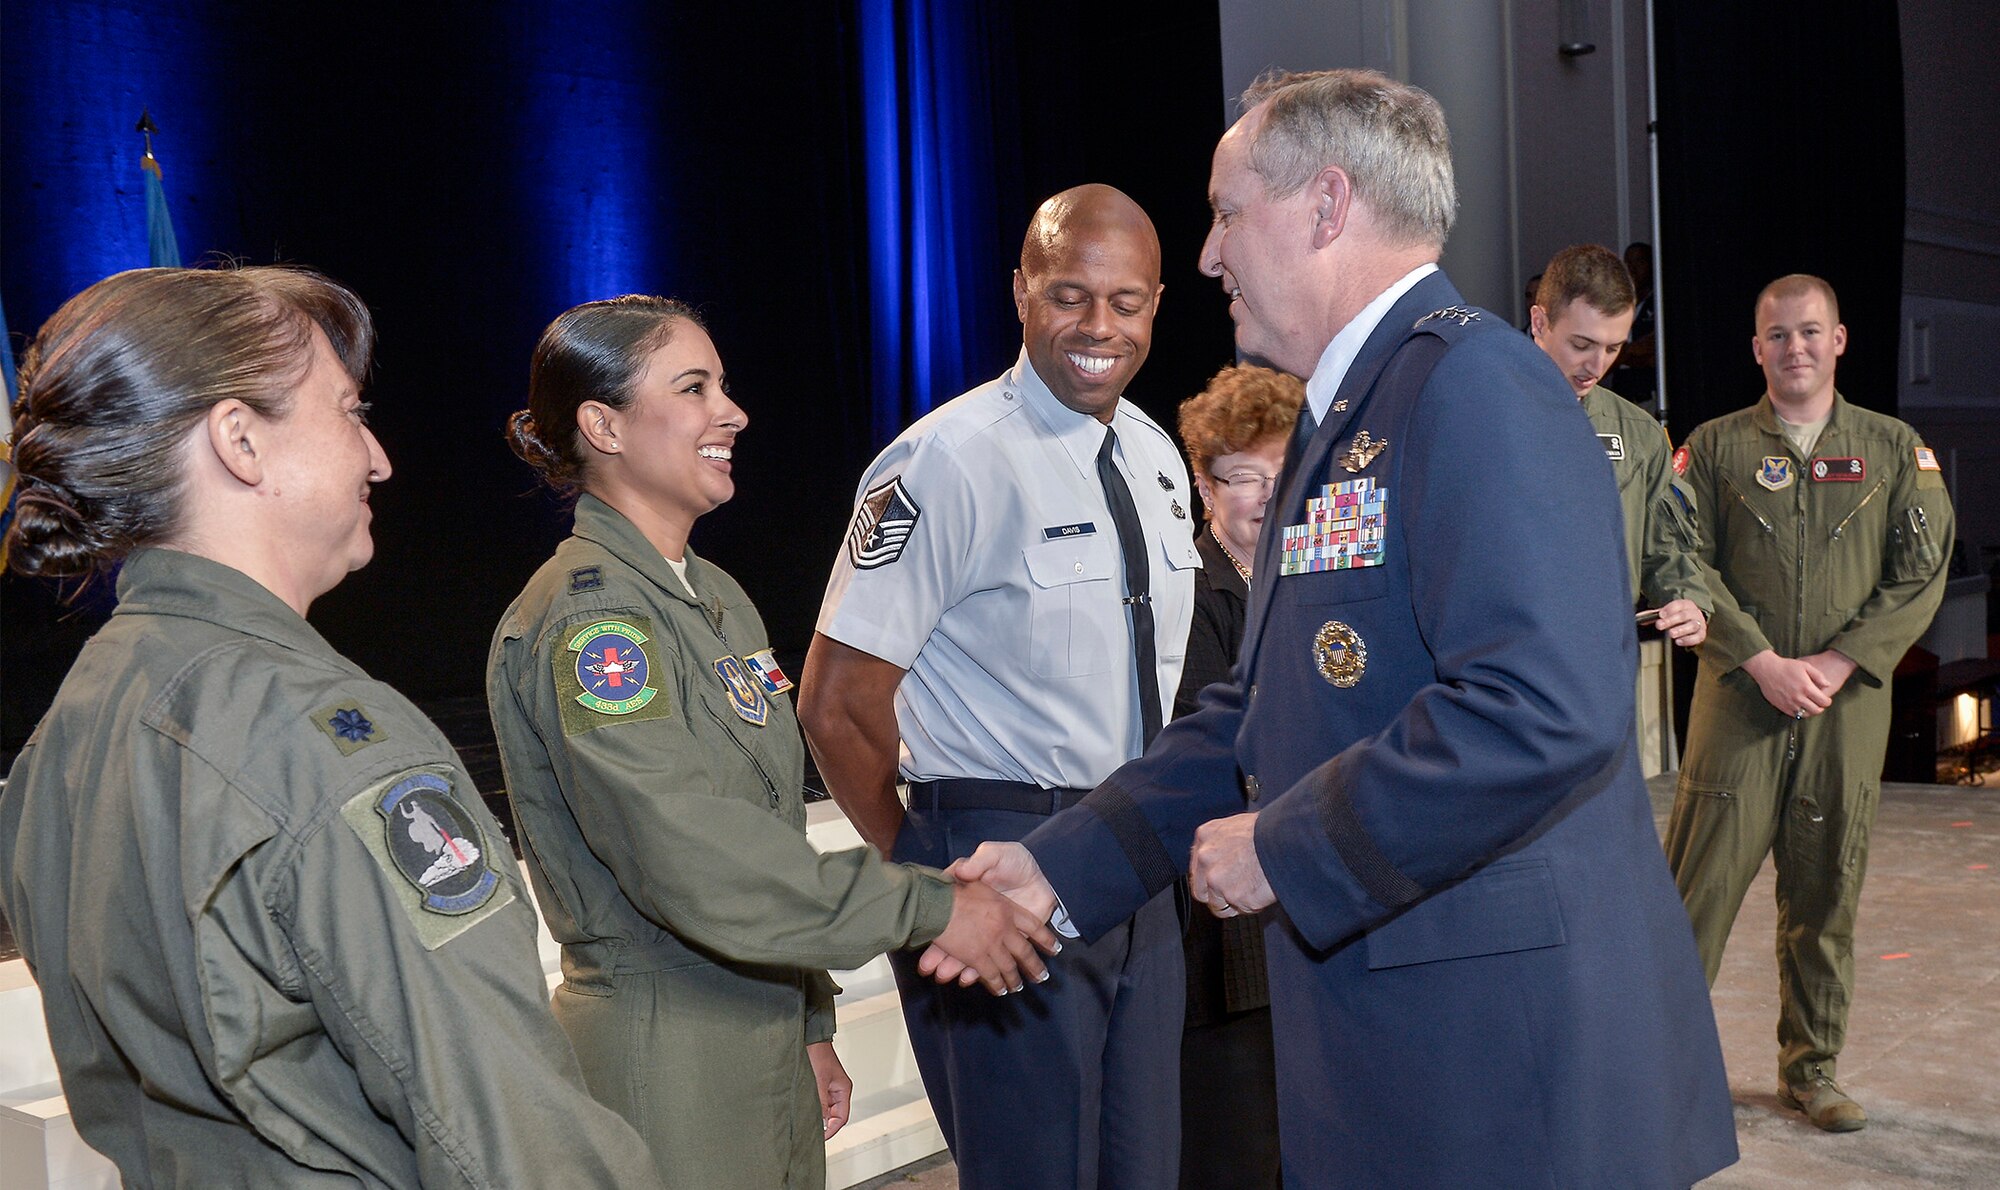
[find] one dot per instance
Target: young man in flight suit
(1829, 527)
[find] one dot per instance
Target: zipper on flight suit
(1879, 485)
(1750, 508)
(1799, 612)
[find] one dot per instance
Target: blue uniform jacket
(1480, 971)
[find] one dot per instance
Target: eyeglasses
(1247, 483)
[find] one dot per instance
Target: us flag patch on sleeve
(882, 525)
(1926, 459)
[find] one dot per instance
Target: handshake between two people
(1002, 905)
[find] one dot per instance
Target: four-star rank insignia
(1362, 451)
(1776, 473)
(746, 692)
(1458, 314)
(1339, 653)
(612, 667)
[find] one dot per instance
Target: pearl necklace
(1242, 570)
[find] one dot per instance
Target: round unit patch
(435, 844)
(612, 668)
(1340, 654)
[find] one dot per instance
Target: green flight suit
(657, 783)
(280, 940)
(1844, 550)
(1660, 537)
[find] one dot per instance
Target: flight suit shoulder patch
(349, 725)
(417, 828)
(603, 671)
(1929, 475)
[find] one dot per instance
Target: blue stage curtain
(939, 298)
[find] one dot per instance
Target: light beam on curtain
(937, 268)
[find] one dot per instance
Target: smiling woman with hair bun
(656, 772)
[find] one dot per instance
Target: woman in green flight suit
(280, 940)
(656, 768)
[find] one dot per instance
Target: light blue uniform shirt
(983, 559)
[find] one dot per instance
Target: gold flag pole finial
(146, 126)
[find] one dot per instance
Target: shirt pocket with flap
(1076, 624)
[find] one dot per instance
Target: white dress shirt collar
(1340, 354)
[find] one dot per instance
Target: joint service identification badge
(1340, 654)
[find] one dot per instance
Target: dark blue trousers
(1073, 1083)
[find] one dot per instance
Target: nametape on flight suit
(882, 525)
(764, 667)
(1614, 446)
(1776, 473)
(349, 726)
(746, 694)
(1927, 459)
(1058, 532)
(420, 833)
(1344, 529)
(603, 674)
(1841, 470)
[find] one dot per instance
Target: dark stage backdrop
(473, 169)
(1781, 151)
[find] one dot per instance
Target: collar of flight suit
(1765, 418)
(167, 582)
(603, 525)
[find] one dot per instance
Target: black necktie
(1138, 597)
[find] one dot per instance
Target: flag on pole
(163, 250)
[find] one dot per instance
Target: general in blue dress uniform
(1480, 973)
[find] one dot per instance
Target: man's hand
(1224, 870)
(991, 940)
(1795, 687)
(1834, 666)
(836, 1090)
(1683, 623)
(1010, 868)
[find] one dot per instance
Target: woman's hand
(836, 1090)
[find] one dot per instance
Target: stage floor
(1923, 1047)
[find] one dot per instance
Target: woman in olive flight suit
(280, 940)
(656, 772)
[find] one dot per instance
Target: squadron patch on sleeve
(1681, 461)
(882, 525)
(603, 674)
(349, 726)
(420, 832)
